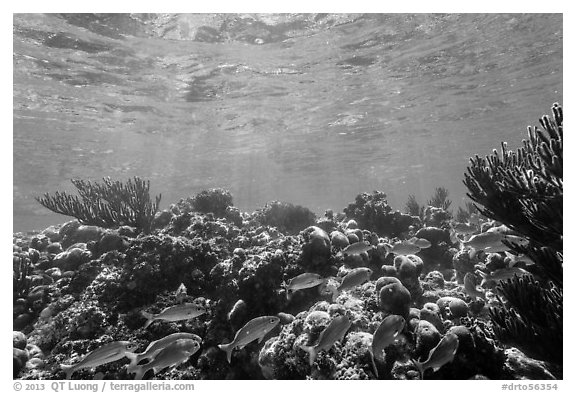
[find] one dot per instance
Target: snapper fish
(439, 355)
(386, 333)
(471, 288)
(156, 346)
(402, 248)
(255, 329)
(420, 242)
(107, 353)
(501, 274)
(484, 240)
(491, 242)
(354, 278)
(303, 281)
(335, 331)
(171, 356)
(179, 312)
(357, 248)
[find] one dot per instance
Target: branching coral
(109, 205)
(412, 207)
(524, 189)
(536, 326)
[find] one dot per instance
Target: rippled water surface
(308, 109)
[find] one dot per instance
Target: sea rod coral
(109, 205)
(523, 189)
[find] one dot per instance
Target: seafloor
(89, 286)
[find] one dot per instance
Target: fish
(354, 278)
(501, 274)
(439, 355)
(257, 328)
(420, 242)
(357, 248)
(181, 293)
(514, 259)
(336, 330)
(484, 240)
(464, 228)
(156, 346)
(470, 287)
(107, 353)
(171, 356)
(179, 312)
(303, 281)
(402, 248)
(386, 333)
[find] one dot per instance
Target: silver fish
(354, 278)
(484, 240)
(156, 346)
(420, 242)
(303, 281)
(440, 355)
(357, 248)
(257, 328)
(179, 312)
(470, 287)
(386, 333)
(171, 356)
(181, 293)
(501, 274)
(105, 354)
(402, 248)
(335, 331)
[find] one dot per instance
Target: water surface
(310, 109)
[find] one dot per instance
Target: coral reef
(80, 287)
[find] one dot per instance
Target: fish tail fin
(149, 317)
(420, 368)
(68, 369)
(311, 351)
(133, 357)
(139, 371)
(228, 349)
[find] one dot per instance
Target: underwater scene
(287, 196)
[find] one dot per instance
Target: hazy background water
(310, 109)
